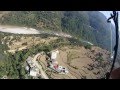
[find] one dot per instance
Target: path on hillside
(39, 66)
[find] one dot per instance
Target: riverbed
(18, 30)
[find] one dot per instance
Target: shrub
(88, 46)
(99, 58)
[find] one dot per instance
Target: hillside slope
(90, 62)
(88, 25)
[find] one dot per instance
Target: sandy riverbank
(18, 30)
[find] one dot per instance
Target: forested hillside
(88, 25)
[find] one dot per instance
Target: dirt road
(40, 67)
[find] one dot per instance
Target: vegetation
(88, 46)
(13, 65)
(99, 58)
(91, 26)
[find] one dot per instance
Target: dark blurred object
(115, 74)
(114, 16)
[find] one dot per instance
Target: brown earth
(3, 13)
(79, 61)
(26, 42)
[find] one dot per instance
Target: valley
(28, 39)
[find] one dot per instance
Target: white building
(54, 64)
(54, 54)
(27, 68)
(30, 62)
(34, 72)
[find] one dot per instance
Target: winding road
(39, 66)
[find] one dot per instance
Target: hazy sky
(107, 14)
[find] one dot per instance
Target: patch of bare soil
(26, 42)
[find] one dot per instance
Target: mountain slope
(88, 25)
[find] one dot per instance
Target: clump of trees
(13, 64)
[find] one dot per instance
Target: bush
(88, 46)
(99, 58)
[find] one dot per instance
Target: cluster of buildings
(32, 69)
(54, 63)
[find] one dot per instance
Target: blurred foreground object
(115, 74)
